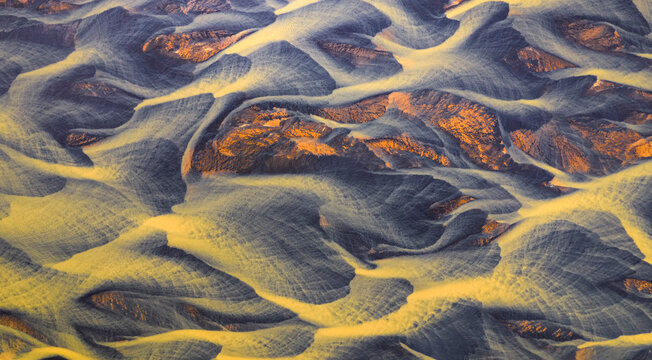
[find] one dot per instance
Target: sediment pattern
(325, 179)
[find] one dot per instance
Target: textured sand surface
(325, 179)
